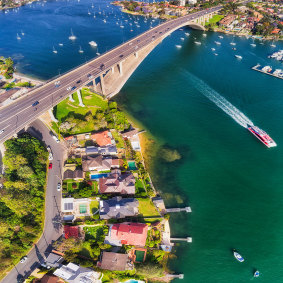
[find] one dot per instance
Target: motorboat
(238, 257)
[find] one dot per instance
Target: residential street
(52, 228)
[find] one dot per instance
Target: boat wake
(220, 101)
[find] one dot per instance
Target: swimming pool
(132, 165)
(97, 176)
(139, 255)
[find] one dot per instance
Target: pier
(186, 209)
(187, 239)
(175, 276)
(256, 68)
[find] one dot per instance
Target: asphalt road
(52, 229)
(17, 115)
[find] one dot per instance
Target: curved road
(52, 229)
(16, 116)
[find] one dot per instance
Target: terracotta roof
(130, 233)
(102, 138)
(71, 231)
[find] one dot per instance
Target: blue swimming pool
(97, 176)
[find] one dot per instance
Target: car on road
(35, 103)
(90, 76)
(1, 132)
(130, 43)
(69, 88)
(50, 156)
(121, 56)
(74, 87)
(55, 138)
(79, 81)
(59, 187)
(50, 166)
(23, 259)
(102, 67)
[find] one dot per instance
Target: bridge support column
(94, 85)
(80, 98)
(53, 119)
(121, 69)
(71, 98)
(102, 84)
(112, 70)
(136, 54)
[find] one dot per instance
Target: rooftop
(115, 261)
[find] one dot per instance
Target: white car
(56, 139)
(23, 259)
(68, 88)
(1, 132)
(59, 187)
(50, 156)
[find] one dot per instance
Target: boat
(216, 54)
(262, 136)
(104, 21)
(198, 42)
(234, 48)
(187, 34)
(238, 256)
(232, 43)
(61, 44)
(22, 32)
(182, 38)
(204, 34)
(18, 37)
(178, 46)
(217, 42)
(92, 43)
(220, 36)
(253, 44)
(54, 50)
(256, 273)
(213, 49)
(88, 12)
(72, 36)
(238, 56)
(80, 50)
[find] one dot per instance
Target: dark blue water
(232, 182)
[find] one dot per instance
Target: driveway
(52, 228)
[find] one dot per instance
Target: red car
(50, 165)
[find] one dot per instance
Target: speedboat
(178, 46)
(72, 36)
(92, 43)
(256, 273)
(198, 42)
(238, 256)
(238, 56)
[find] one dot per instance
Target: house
(118, 207)
(99, 163)
(227, 21)
(48, 279)
(53, 261)
(104, 150)
(74, 273)
(133, 135)
(129, 134)
(117, 183)
(103, 138)
(71, 232)
(115, 261)
(73, 208)
(71, 172)
(134, 234)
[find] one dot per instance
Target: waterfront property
(115, 261)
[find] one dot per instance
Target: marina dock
(259, 69)
(187, 209)
(187, 239)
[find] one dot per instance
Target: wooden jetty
(256, 68)
(187, 209)
(187, 239)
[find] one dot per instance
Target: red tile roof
(102, 138)
(71, 231)
(130, 233)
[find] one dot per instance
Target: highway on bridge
(17, 115)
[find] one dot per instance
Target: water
(232, 181)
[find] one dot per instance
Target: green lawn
(147, 208)
(118, 138)
(215, 19)
(91, 100)
(96, 233)
(94, 205)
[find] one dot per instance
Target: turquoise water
(132, 165)
(232, 182)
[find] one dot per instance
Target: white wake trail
(220, 101)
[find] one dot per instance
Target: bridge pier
(71, 98)
(94, 85)
(121, 68)
(102, 84)
(80, 98)
(112, 70)
(136, 54)
(52, 117)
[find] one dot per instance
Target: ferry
(262, 136)
(238, 256)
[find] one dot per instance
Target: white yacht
(18, 37)
(217, 42)
(198, 42)
(54, 50)
(80, 50)
(72, 36)
(178, 46)
(238, 256)
(92, 43)
(22, 32)
(238, 56)
(61, 44)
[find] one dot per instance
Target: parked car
(102, 67)
(79, 81)
(50, 156)
(59, 187)
(90, 76)
(69, 88)
(35, 103)
(74, 87)
(50, 166)
(1, 132)
(23, 259)
(55, 138)
(121, 56)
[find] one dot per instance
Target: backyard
(147, 210)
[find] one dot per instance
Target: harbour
(268, 71)
(221, 173)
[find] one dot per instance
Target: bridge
(106, 73)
